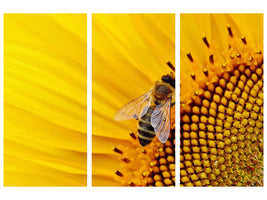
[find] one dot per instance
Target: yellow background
(45, 100)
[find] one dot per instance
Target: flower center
(222, 127)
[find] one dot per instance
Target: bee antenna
(171, 66)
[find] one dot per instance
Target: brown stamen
(189, 56)
(211, 59)
(115, 149)
(229, 30)
(259, 52)
(132, 135)
(131, 184)
(117, 172)
(193, 75)
(204, 38)
(205, 71)
(126, 160)
(244, 39)
(171, 66)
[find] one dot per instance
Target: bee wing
(160, 120)
(135, 108)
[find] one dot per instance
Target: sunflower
(129, 53)
(221, 100)
(45, 104)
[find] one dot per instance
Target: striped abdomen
(146, 132)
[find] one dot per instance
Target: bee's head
(169, 78)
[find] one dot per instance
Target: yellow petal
(45, 100)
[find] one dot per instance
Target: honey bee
(152, 110)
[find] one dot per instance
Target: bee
(152, 110)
